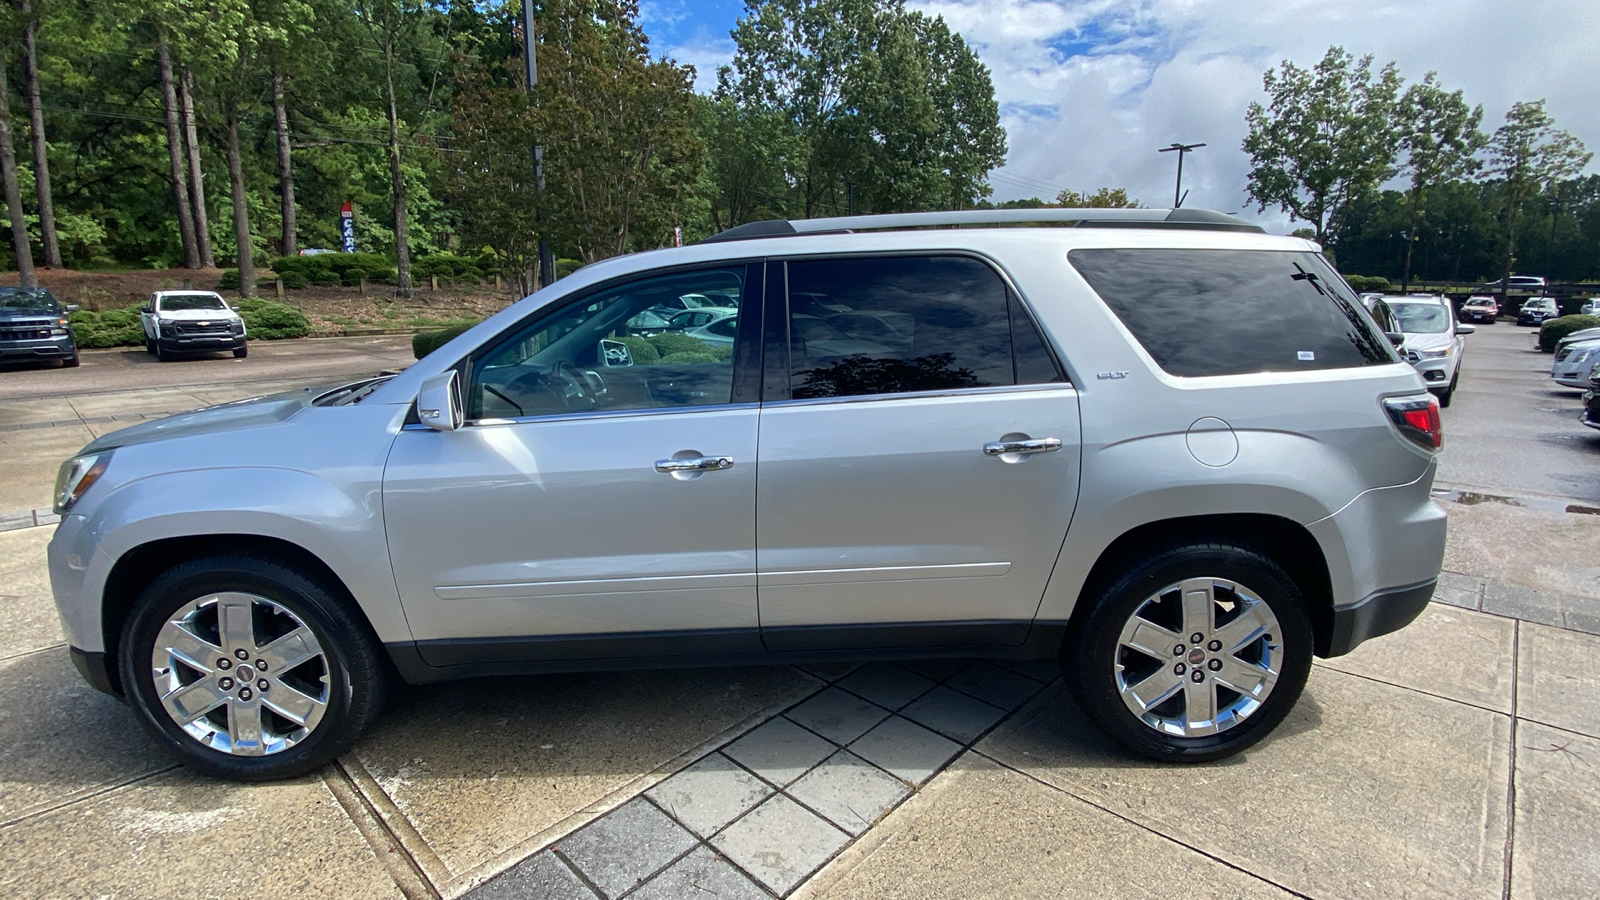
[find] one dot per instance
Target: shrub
(111, 328)
(688, 356)
(644, 353)
(293, 280)
(425, 342)
(1553, 330)
(230, 280)
(565, 267)
(325, 278)
(352, 276)
(1363, 283)
(670, 342)
(385, 274)
(270, 320)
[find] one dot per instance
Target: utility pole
(547, 260)
(1183, 150)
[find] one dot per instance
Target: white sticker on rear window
(1306, 355)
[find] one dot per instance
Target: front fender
(341, 527)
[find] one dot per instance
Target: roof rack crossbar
(1203, 219)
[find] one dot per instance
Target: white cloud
(1128, 77)
(706, 54)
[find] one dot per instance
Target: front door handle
(1032, 445)
(694, 464)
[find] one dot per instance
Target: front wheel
(241, 351)
(1194, 653)
(243, 668)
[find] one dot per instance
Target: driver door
(599, 500)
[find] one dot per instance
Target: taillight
(1417, 417)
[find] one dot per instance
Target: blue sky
(1089, 89)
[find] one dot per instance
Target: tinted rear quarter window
(1234, 312)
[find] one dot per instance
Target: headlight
(163, 321)
(76, 477)
(58, 331)
(1441, 353)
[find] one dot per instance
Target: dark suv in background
(33, 326)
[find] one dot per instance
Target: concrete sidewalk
(1457, 758)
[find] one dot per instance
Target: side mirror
(1466, 329)
(439, 402)
(615, 353)
(73, 307)
(1395, 337)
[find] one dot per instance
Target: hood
(238, 415)
(197, 315)
(1428, 341)
(30, 315)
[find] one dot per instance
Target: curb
(28, 518)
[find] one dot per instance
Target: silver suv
(1168, 450)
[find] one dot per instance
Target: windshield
(1421, 318)
(38, 300)
(192, 301)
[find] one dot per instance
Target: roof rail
(1194, 219)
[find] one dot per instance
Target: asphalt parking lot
(1457, 758)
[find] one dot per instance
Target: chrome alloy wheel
(1198, 657)
(241, 674)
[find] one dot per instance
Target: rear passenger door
(918, 456)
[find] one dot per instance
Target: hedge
(111, 328)
(1366, 283)
(425, 342)
(271, 320)
(688, 356)
(452, 266)
(643, 352)
(670, 342)
(1553, 330)
(230, 280)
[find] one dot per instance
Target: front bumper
(95, 670)
(52, 348)
(1436, 373)
(1591, 407)
(200, 343)
(1375, 615)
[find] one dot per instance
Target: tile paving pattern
(761, 814)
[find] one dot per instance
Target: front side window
(610, 351)
(868, 326)
(1234, 312)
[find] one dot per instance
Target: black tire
(1093, 651)
(161, 353)
(150, 346)
(241, 352)
(1449, 393)
(347, 676)
(72, 362)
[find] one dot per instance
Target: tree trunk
(180, 190)
(41, 161)
(289, 246)
(197, 175)
(241, 207)
(8, 174)
(1411, 240)
(402, 249)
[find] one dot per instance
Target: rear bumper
(1377, 614)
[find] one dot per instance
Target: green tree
(1325, 138)
(1105, 198)
(492, 179)
(1529, 154)
(621, 155)
(1440, 138)
(883, 103)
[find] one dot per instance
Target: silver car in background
(1174, 454)
(1433, 341)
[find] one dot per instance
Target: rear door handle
(1033, 445)
(694, 464)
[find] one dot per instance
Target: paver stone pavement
(980, 830)
(28, 618)
(1364, 786)
(1448, 652)
(1558, 679)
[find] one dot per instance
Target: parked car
(34, 327)
(1590, 307)
(1244, 460)
(1591, 401)
(1572, 362)
(1433, 342)
(696, 318)
(1480, 308)
(1535, 310)
(1519, 283)
(1584, 334)
(191, 322)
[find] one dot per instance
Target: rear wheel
(243, 668)
(1194, 653)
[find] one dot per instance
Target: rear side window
(1234, 312)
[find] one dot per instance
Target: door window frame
(747, 347)
(775, 374)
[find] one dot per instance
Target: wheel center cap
(245, 673)
(1196, 656)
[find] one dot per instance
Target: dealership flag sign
(347, 227)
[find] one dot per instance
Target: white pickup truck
(191, 322)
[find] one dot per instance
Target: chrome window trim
(596, 414)
(1063, 387)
